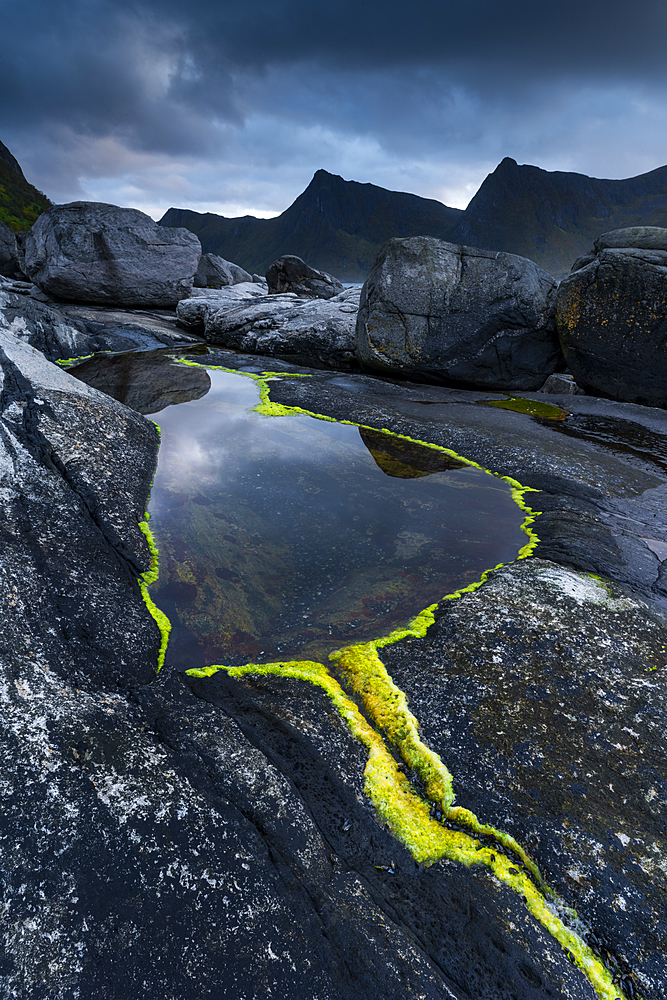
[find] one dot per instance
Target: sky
(231, 107)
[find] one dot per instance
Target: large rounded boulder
(216, 272)
(291, 274)
(458, 315)
(611, 314)
(91, 252)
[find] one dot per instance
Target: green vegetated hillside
(550, 217)
(335, 225)
(20, 202)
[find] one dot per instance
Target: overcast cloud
(230, 108)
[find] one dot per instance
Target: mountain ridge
(335, 225)
(551, 217)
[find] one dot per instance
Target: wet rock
(216, 272)
(146, 382)
(291, 274)
(9, 258)
(459, 315)
(612, 319)
(318, 333)
(62, 331)
(77, 471)
(102, 254)
(545, 692)
(216, 830)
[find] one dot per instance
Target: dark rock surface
(105, 255)
(545, 690)
(216, 272)
(76, 471)
(146, 383)
(314, 332)
(611, 314)
(62, 331)
(9, 255)
(291, 274)
(458, 315)
(211, 837)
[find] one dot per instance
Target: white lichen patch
(582, 588)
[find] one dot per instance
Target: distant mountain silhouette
(335, 225)
(552, 217)
(20, 202)
(339, 226)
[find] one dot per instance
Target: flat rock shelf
(289, 537)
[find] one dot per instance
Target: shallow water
(289, 537)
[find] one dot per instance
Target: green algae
(529, 406)
(70, 362)
(396, 802)
(408, 814)
(145, 581)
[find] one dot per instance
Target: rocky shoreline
(212, 835)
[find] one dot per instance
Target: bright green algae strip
(406, 813)
(396, 802)
(149, 577)
(145, 581)
(532, 407)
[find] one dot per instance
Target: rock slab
(318, 333)
(611, 314)
(458, 315)
(62, 331)
(102, 254)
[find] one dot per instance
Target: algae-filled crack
(421, 814)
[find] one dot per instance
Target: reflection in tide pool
(289, 537)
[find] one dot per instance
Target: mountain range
(339, 226)
(550, 217)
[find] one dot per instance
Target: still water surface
(289, 537)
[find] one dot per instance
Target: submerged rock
(102, 254)
(611, 313)
(460, 315)
(291, 274)
(146, 382)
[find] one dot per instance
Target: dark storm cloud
(159, 72)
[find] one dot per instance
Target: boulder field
(293, 833)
